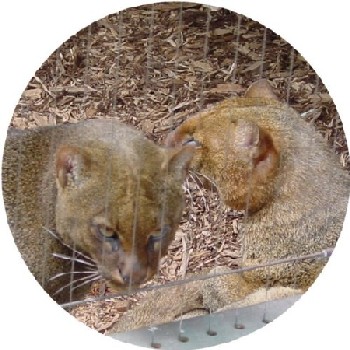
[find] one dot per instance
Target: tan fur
(268, 161)
(114, 190)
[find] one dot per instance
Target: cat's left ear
(179, 160)
(261, 89)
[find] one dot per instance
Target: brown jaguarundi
(104, 190)
(264, 159)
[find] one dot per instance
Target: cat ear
(71, 162)
(247, 133)
(250, 137)
(179, 160)
(261, 89)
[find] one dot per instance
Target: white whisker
(92, 279)
(67, 245)
(87, 279)
(66, 257)
(61, 274)
(205, 177)
(195, 177)
(187, 189)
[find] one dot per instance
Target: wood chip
(33, 93)
(223, 31)
(220, 88)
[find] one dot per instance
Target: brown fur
(268, 161)
(117, 197)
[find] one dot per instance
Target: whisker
(187, 189)
(66, 257)
(87, 279)
(194, 176)
(61, 274)
(215, 187)
(205, 177)
(92, 279)
(67, 245)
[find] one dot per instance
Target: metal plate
(195, 330)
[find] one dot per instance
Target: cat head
(119, 205)
(233, 148)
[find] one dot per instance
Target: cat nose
(131, 271)
(134, 277)
(126, 278)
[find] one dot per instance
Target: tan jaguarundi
(104, 190)
(266, 160)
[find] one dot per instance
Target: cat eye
(154, 240)
(192, 141)
(107, 234)
(156, 237)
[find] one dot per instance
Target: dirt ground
(152, 67)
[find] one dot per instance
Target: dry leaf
(19, 123)
(121, 305)
(321, 98)
(229, 87)
(91, 111)
(253, 66)
(173, 6)
(223, 31)
(33, 93)
(147, 126)
(41, 120)
(206, 66)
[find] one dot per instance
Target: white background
(30, 31)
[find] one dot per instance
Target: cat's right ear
(71, 163)
(249, 137)
(179, 160)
